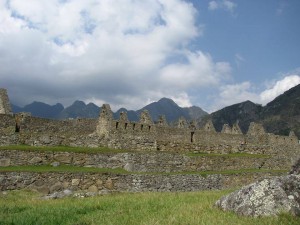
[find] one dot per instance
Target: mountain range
(279, 116)
(79, 109)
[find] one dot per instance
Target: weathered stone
(129, 167)
(36, 160)
(56, 187)
(99, 183)
(93, 188)
(63, 157)
(4, 162)
(42, 189)
(265, 198)
(109, 184)
(296, 168)
(5, 107)
(55, 164)
(75, 182)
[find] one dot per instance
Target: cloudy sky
(129, 53)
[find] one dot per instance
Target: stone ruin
(158, 139)
(144, 134)
(5, 107)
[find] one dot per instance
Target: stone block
(93, 188)
(56, 187)
(5, 162)
(36, 160)
(42, 189)
(109, 184)
(75, 182)
(65, 157)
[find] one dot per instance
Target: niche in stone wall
(125, 126)
(117, 124)
(17, 129)
(192, 137)
(133, 126)
(142, 126)
(149, 128)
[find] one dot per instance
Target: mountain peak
(166, 100)
(79, 103)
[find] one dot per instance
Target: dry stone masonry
(5, 107)
(149, 146)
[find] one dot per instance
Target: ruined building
(5, 107)
(144, 135)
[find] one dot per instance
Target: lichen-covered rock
(265, 198)
(296, 168)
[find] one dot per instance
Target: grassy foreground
(24, 207)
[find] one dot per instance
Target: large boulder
(296, 168)
(268, 197)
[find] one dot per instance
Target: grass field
(62, 149)
(24, 207)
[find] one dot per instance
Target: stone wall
(144, 135)
(143, 162)
(98, 183)
(5, 107)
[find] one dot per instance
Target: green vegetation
(110, 150)
(23, 207)
(193, 154)
(76, 169)
(61, 149)
(62, 168)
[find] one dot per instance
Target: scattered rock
(61, 194)
(268, 197)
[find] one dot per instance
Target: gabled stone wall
(5, 107)
(144, 135)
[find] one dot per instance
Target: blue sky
(128, 53)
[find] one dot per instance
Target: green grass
(76, 169)
(61, 149)
(23, 207)
(110, 150)
(62, 168)
(203, 154)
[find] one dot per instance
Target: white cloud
(279, 88)
(226, 5)
(200, 70)
(240, 92)
(213, 5)
(121, 52)
(232, 94)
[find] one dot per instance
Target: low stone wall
(94, 182)
(143, 162)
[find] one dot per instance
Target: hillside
(283, 113)
(280, 116)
